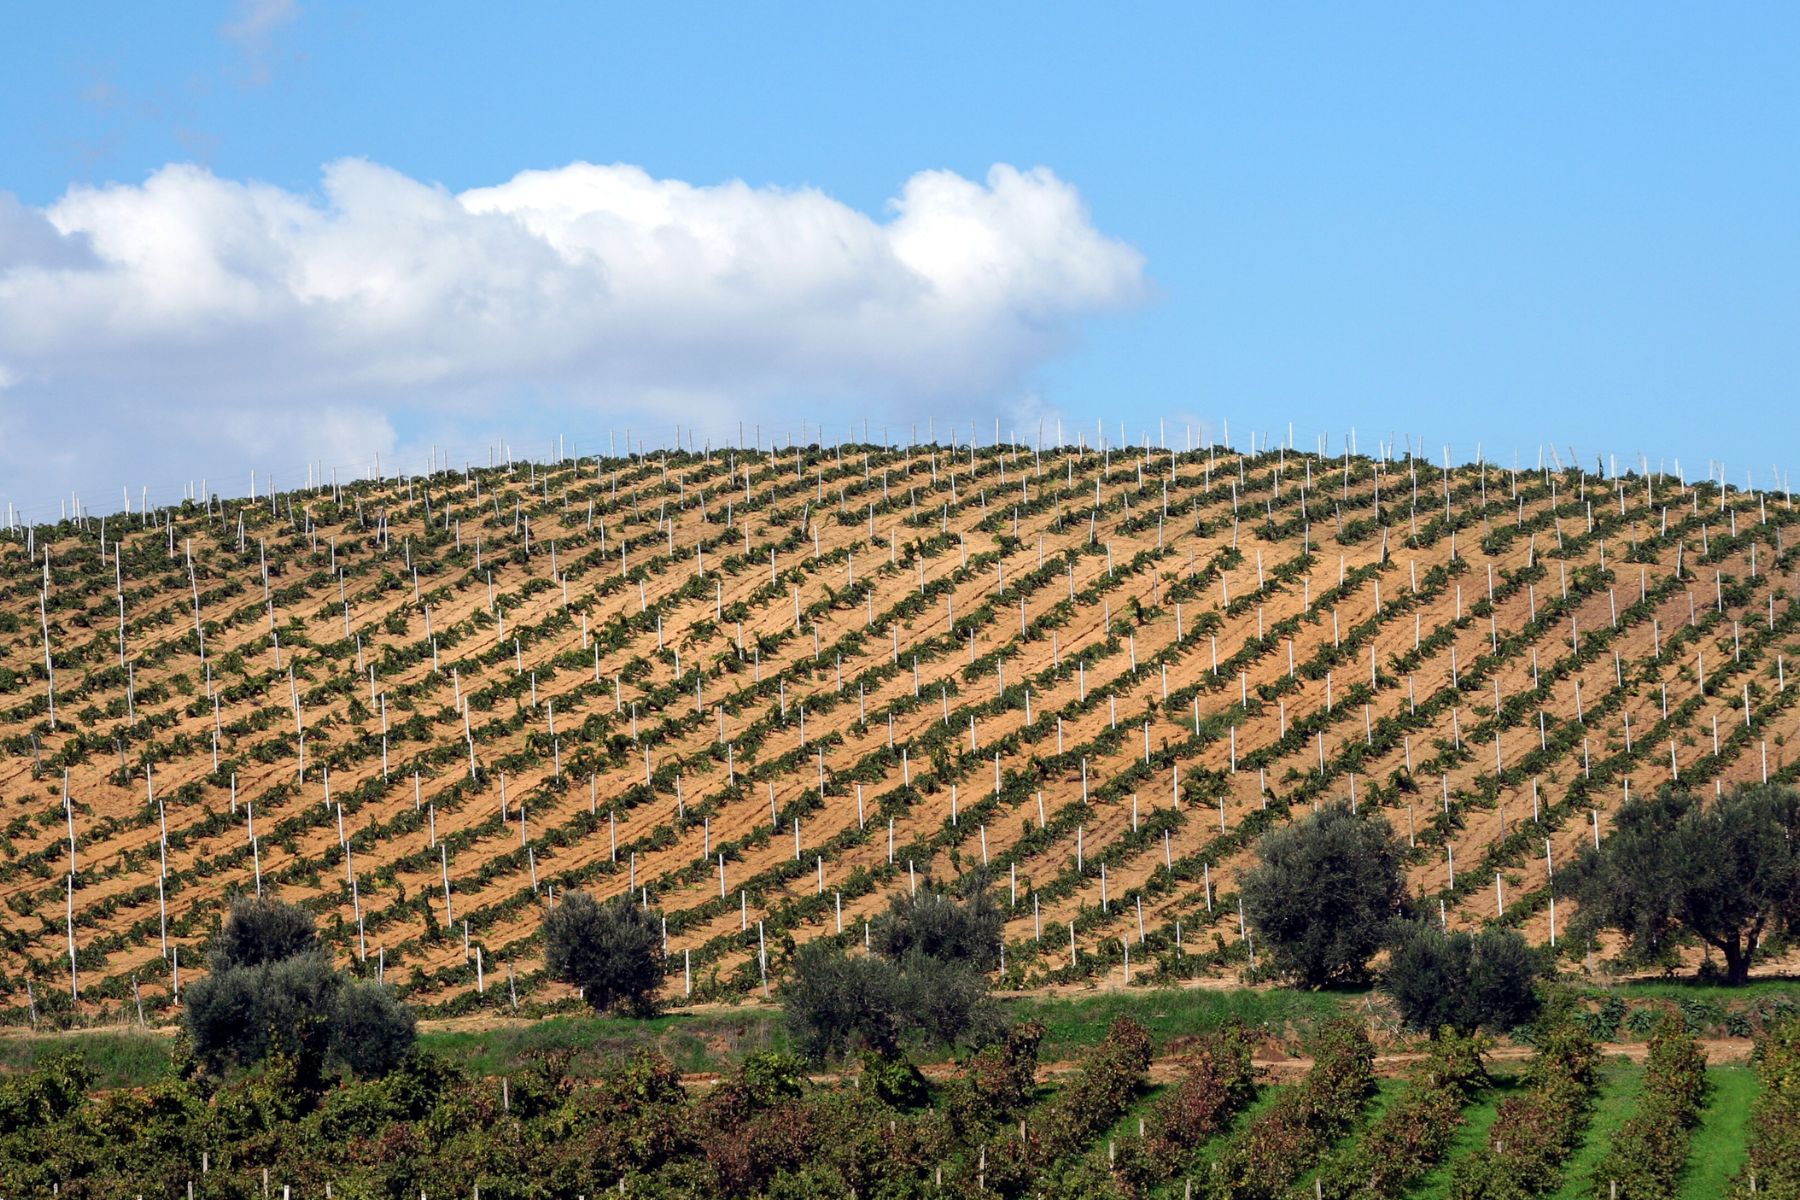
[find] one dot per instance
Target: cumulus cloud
(258, 321)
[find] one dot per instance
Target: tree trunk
(1737, 962)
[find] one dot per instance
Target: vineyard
(767, 690)
(1201, 1115)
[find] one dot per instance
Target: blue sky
(1507, 225)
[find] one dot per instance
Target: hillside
(770, 689)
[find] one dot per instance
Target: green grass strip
(1616, 1099)
(1719, 1148)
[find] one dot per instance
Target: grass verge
(117, 1058)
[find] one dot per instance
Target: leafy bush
(1323, 894)
(1219, 1081)
(932, 923)
(895, 1082)
(1462, 981)
(1110, 1075)
(1533, 1134)
(1415, 1130)
(260, 931)
(371, 1031)
(832, 1001)
(1002, 1077)
(237, 1016)
(1649, 1151)
(271, 992)
(1265, 1157)
(611, 950)
(1773, 1171)
(949, 1003)
(56, 1088)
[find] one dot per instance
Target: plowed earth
(764, 690)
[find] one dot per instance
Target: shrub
(272, 992)
(371, 1031)
(1462, 981)
(1532, 1134)
(832, 1001)
(1415, 1130)
(611, 950)
(1649, 1151)
(237, 1016)
(948, 1002)
(260, 931)
(1265, 1157)
(1091, 1099)
(1324, 893)
(1774, 1166)
(1003, 1076)
(54, 1089)
(1220, 1079)
(938, 926)
(894, 1082)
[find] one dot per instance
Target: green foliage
(1774, 1167)
(1324, 893)
(1534, 1133)
(260, 931)
(272, 993)
(833, 1000)
(1260, 1161)
(928, 978)
(611, 950)
(948, 1002)
(372, 1032)
(1726, 871)
(895, 1082)
(47, 1094)
(1109, 1076)
(938, 926)
(1415, 1130)
(1219, 1080)
(1002, 1077)
(1462, 981)
(238, 1016)
(1649, 1151)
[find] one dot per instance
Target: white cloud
(252, 30)
(256, 21)
(262, 322)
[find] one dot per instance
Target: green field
(718, 1039)
(118, 1058)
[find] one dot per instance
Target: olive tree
(1462, 981)
(1724, 870)
(372, 1032)
(270, 989)
(612, 950)
(926, 978)
(959, 928)
(833, 1002)
(1324, 893)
